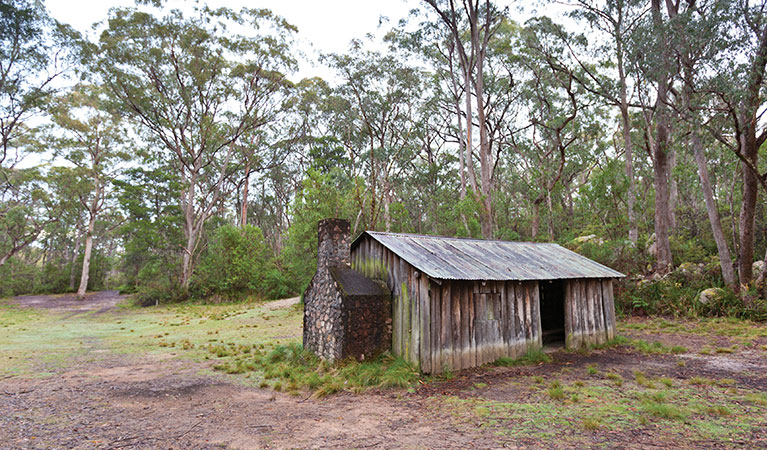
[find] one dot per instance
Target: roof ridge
(437, 236)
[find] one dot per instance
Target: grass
(293, 369)
(532, 357)
(560, 413)
(556, 392)
(717, 326)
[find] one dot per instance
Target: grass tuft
(532, 357)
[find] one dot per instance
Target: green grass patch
(300, 369)
(532, 357)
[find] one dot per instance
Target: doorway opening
(552, 296)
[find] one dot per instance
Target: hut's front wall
(476, 322)
(589, 312)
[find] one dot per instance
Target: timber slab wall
(440, 324)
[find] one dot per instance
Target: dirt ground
(162, 401)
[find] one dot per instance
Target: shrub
(234, 265)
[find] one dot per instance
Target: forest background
(175, 155)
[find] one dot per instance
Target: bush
(677, 295)
(235, 264)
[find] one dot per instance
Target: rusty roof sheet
(476, 259)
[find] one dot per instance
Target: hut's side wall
(589, 312)
(375, 261)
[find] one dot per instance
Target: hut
(459, 303)
(450, 303)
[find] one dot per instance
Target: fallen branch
(190, 429)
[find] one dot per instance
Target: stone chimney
(345, 313)
(333, 243)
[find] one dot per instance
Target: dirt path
(100, 302)
(168, 404)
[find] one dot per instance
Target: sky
(324, 26)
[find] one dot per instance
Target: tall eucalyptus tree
(195, 83)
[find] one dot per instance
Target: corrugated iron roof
(476, 259)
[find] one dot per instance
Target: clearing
(99, 374)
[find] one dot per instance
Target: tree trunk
(189, 232)
(536, 220)
(673, 194)
(551, 215)
(749, 150)
(627, 145)
(659, 146)
(78, 242)
(244, 207)
(725, 259)
(660, 170)
(387, 203)
(485, 156)
(87, 256)
(469, 129)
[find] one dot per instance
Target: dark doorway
(552, 311)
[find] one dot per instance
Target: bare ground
(128, 401)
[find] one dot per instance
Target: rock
(709, 295)
(757, 268)
(592, 238)
(690, 268)
(652, 246)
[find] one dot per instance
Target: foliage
(321, 196)
(678, 295)
(234, 265)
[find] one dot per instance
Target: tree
(616, 19)
(25, 210)
(195, 86)
(35, 50)
(482, 20)
(92, 138)
(379, 101)
(695, 37)
(739, 101)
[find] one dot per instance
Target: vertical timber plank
(577, 310)
(610, 303)
(424, 315)
(596, 287)
(537, 332)
(435, 340)
(528, 315)
(520, 318)
(447, 342)
(511, 301)
(568, 314)
(465, 344)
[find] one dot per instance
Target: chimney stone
(333, 243)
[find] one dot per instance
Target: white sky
(324, 26)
